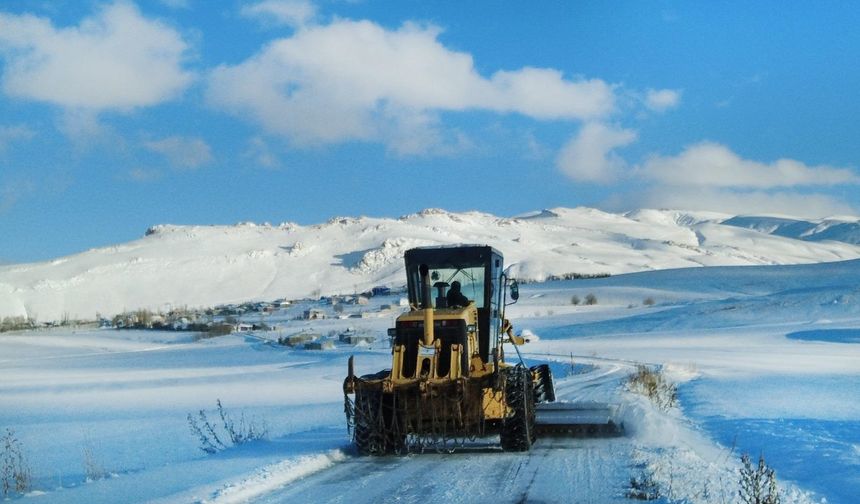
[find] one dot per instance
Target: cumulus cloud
(589, 156)
(182, 152)
(116, 59)
(790, 203)
(285, 12)
(659, 100)
(704, 176)
(13, 134)
(709, 164)
(709, 176)
(355, 80)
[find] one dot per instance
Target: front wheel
(518, 428)
(544, 388)
(367, 433)
(378, 425)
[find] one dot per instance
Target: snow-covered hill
(844, 229)
(208, 265)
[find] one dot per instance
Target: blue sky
(115, 116)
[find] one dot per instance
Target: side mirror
(515, 290)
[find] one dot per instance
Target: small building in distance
(299, 339)
(314, 314)
(320, 345)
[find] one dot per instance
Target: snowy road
(556, 470)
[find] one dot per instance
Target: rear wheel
(518, 428)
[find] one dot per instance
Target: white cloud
(709, 176)
(286, 12)
(659, 100)
(589, 156)
(355, 80)
(710, 164)
(144, 175)
(13, 191)
(83, 128)
(116, 59)
(791, 203)
(261, 154)
(12, 134)
(182, 152)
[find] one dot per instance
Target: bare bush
(653, 385)
(757, 483)
(93, 469)
(590, 299)
(214, 437)
(649, 301)
(575, 300)
(643, 487)
(15, 473)
(16, 323)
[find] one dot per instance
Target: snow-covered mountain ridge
(209, 265)
(844, 229)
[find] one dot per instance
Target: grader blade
(578, 419)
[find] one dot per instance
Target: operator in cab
(455, 296)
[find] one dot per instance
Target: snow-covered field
(201, 266)
(767, 359)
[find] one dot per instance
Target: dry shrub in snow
(653, 385)
(649, 301)
(93, 469)
(757, 483)
(16, 323)
(575, 300)
(215, 437)
(643, 486)
(590, 299)
(14, 470)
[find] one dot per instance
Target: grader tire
(518, 429)
(368, 434)
(394, 434)
(377, 431)
(544, 387)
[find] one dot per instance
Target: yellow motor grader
(449, 381)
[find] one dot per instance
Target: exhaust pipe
(428, 305)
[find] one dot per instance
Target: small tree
(590, 299)
(575, 300)
(757, 484)
(15, 474)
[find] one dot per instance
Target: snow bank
(275, 476)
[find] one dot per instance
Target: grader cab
(449, 380)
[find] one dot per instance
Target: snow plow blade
(578, 419)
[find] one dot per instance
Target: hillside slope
(208, 265)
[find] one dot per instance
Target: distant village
(258, 317)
